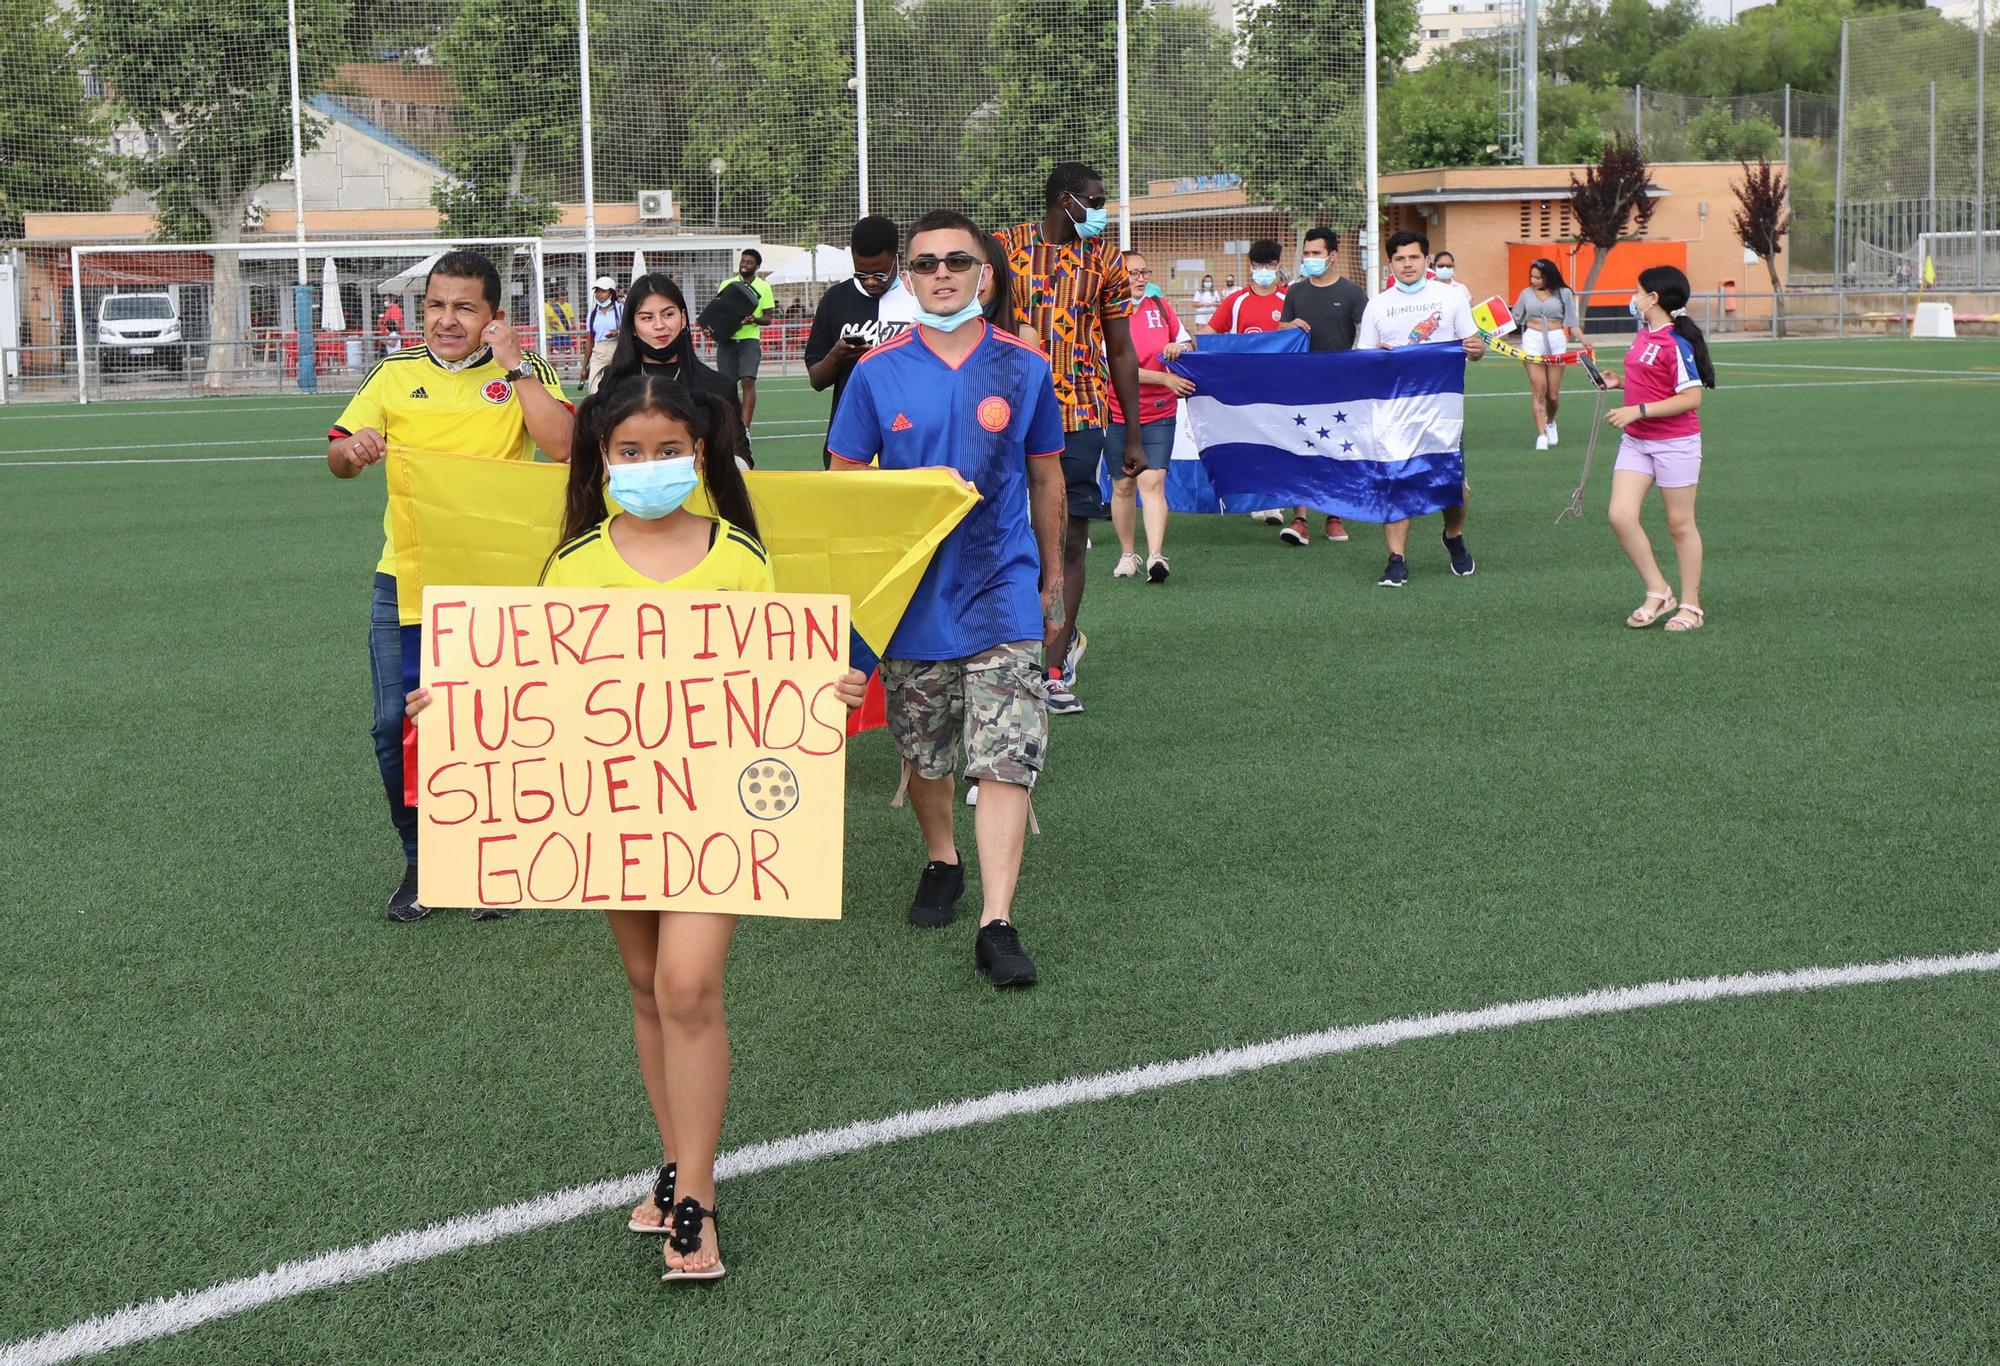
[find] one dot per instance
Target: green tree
(514, 64)
(1610, 42)
(1180, 80)
(207, 79)
(1056, 100)
(51, 136)
(1444, 114)
(923, 98)
(1295, 136)
(1761, 222)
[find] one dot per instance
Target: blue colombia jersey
(986, 419)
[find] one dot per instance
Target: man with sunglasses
(863, 312)
(1070, 286)
(964, 669)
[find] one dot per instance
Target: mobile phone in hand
(1590, 368)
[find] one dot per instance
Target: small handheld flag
(1930, 272)
(1493, 317)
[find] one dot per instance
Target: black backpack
(728, 310)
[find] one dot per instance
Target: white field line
(815, 426)
(1733, 364)
(106, 407)
(188, 1309)
(311, 439)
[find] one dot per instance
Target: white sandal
(1641, 618)
(1700, 620)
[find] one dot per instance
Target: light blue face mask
(1635, 308)
(1416, 288)
(1092, 223)
(1312, 267)
(951, 322)
(650, 489)
(1154, 292)
(1266, 277)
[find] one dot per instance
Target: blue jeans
(392, 653)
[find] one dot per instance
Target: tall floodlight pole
(1531, 83)
(589, 172)
(302, 326)
(1124, 131)
(1979, 152)
(1370, 137)
(1840, 195)
(861, 104)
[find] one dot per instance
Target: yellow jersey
(735, 563)
(416, 403)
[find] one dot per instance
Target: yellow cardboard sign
(630, 749)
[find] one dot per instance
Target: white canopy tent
(794, 266)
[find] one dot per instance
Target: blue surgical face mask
(1092, 223)
(1446, 272)
(1637, 309)
(951, 322)
(1312, 267)
(650, 489)
(1263, 276)
(1416, 288)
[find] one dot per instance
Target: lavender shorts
(1673, 463)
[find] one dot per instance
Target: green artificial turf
(1294, 800)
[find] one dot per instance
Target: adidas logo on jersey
(418, 392)
(901, 424)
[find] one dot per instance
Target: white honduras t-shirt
(1438, 312)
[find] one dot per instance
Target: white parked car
(134, 329)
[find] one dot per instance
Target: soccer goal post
(156, 319)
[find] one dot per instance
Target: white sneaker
(972, 791)
(1541, 443)
(1271, 516)
(1128, 566)
(1552, 433)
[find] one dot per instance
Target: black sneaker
(999, 954)
(938, 891)
(1461, 558)
(1395, 575)
(492, 912)
(403, 905)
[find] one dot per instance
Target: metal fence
(1918, 174)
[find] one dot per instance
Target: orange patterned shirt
(1067, 293)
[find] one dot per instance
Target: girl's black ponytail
(1671, 285)
(722, 443)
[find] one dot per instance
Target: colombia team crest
(993, 413)
(497, 391)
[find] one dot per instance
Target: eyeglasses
(1096, 201)
(874, 277)
(958, 262)
(1140, 271)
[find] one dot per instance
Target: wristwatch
(516, 375)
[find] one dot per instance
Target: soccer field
(1294, 803)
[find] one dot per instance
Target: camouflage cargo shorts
(994, 702)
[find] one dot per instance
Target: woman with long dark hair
(657, 338)
(1665, 373)
(1547, 314)
(996, 296)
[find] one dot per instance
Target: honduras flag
(1188, 486)
(1373, 435)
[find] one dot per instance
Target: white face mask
(1446, 272)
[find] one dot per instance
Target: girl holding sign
(1665, 373)
(652, 443)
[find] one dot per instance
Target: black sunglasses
(875, 277)
(958, 262)
(1096, 201)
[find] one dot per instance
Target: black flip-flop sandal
(686, 1238)
(663, 1200)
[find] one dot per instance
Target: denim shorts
(1155, 438)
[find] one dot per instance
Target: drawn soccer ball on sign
(769, 789)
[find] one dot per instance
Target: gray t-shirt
(1334, 311)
